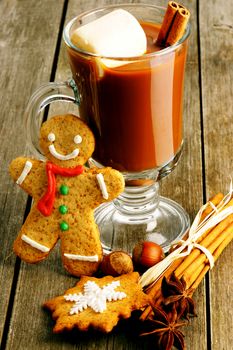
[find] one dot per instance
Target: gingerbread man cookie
(65, 195)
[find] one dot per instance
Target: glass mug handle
(45, 95)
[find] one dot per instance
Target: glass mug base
(167, 223)
(139, 213)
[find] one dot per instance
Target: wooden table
(32, 53)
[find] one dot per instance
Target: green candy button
(63, 209)
(64, 226)
(64, 190)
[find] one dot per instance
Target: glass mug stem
(137, 201)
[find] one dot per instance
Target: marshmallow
(116, 34)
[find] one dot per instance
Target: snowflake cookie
(97, 303)
(65, 195)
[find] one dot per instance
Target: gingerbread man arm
(109, 184)
(29, 174)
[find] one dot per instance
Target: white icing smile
(60, 156)
(53, 151)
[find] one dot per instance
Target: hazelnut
(146, 254)
(117, 263)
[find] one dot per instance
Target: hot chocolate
(134, 107)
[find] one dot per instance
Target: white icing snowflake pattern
(94, 297)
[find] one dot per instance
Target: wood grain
(25, 64)
(28, 37)
(217, 91)
(184, 184)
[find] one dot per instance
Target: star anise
(164, 328)
(175, 291)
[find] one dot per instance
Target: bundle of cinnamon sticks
(194, 266)
(174, 24)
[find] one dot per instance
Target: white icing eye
(78, 139)
(51, 137)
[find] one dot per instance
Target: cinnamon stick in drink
(178, 26)
(172, 8)
(174, 24)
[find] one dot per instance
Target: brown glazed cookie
(97, 303)
(65, 195)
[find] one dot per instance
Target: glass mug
(134, 108)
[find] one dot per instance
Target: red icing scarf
(45, 204)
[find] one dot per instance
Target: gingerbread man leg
(37, 237)
(80, 246)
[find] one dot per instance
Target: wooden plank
(26, 58)
(184, 184)
(33, 328)
(217, 92)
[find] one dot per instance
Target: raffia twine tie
(196, 231)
